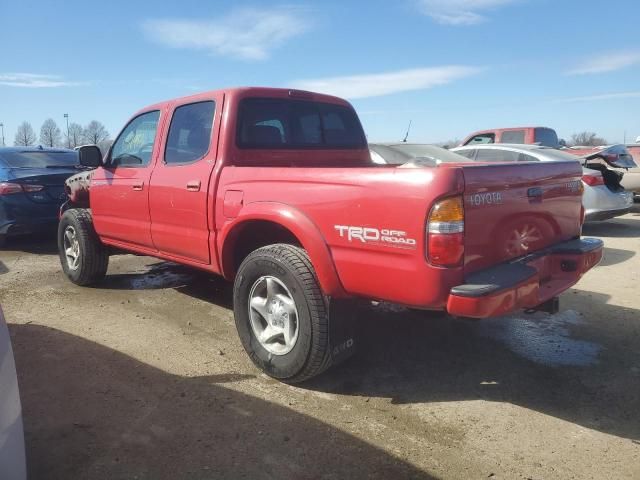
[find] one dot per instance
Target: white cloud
(606, 63)
(460, 12)
(602, 96)
(249, 34)
(33, 80)
(377, 84)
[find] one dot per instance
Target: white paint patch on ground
(543, 338)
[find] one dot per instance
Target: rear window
(43, 159)
(513, 136)
(546, 137)
(496, 155)
(417, 151)
(273, 123)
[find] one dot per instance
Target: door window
(471, 153)
(190, 133)
(482, 138)
(134, 146)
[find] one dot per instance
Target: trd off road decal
(385, 236)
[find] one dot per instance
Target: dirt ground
(143, 377)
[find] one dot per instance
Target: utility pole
(2, 127)
(66, 116)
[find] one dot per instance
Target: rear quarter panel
(338, 202)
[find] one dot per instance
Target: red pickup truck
(275, 190)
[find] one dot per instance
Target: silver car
(12, 457)
(604, 197)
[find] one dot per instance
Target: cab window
(134, 146)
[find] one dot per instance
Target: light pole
(2, 127)
(66, 116)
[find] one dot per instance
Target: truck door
(179, 196)
(120, 190)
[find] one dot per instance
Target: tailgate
(515, 209)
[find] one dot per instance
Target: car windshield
(39, 159)
(399, 154)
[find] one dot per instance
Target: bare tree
(76, 135)
(105, 145)
(587, 138)
(50, 135)
(25, 136)
(95, 133)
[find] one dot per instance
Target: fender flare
(301, 226)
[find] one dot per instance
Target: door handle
(193, 186)
(138, 186)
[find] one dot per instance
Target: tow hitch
(550, 306)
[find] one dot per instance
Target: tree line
(93, 133)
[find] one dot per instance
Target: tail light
(445, 233)
(593, 180)
(8, 188)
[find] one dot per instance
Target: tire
(292, 277)
(92, 256)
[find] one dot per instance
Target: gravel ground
(144, 377)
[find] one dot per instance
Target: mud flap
(342, 329)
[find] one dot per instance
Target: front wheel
(281, 315)
(83, 257)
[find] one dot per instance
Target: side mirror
(562, 142)
(90, 156)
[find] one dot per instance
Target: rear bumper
(600, 215)
(21, 216)
(525, 282)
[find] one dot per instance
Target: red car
(275, 190)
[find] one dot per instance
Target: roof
(249, 91)
(37, 148)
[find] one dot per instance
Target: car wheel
(281, 314)
(83, 257)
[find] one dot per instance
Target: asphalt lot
(144, 377)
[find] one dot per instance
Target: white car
(12, 457)
(604, 197)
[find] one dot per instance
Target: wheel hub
(71, 248)
(273, 315)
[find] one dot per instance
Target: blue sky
(450, 66)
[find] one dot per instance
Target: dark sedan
(32, 188)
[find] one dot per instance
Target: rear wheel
(281, 315)
(83, 257)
